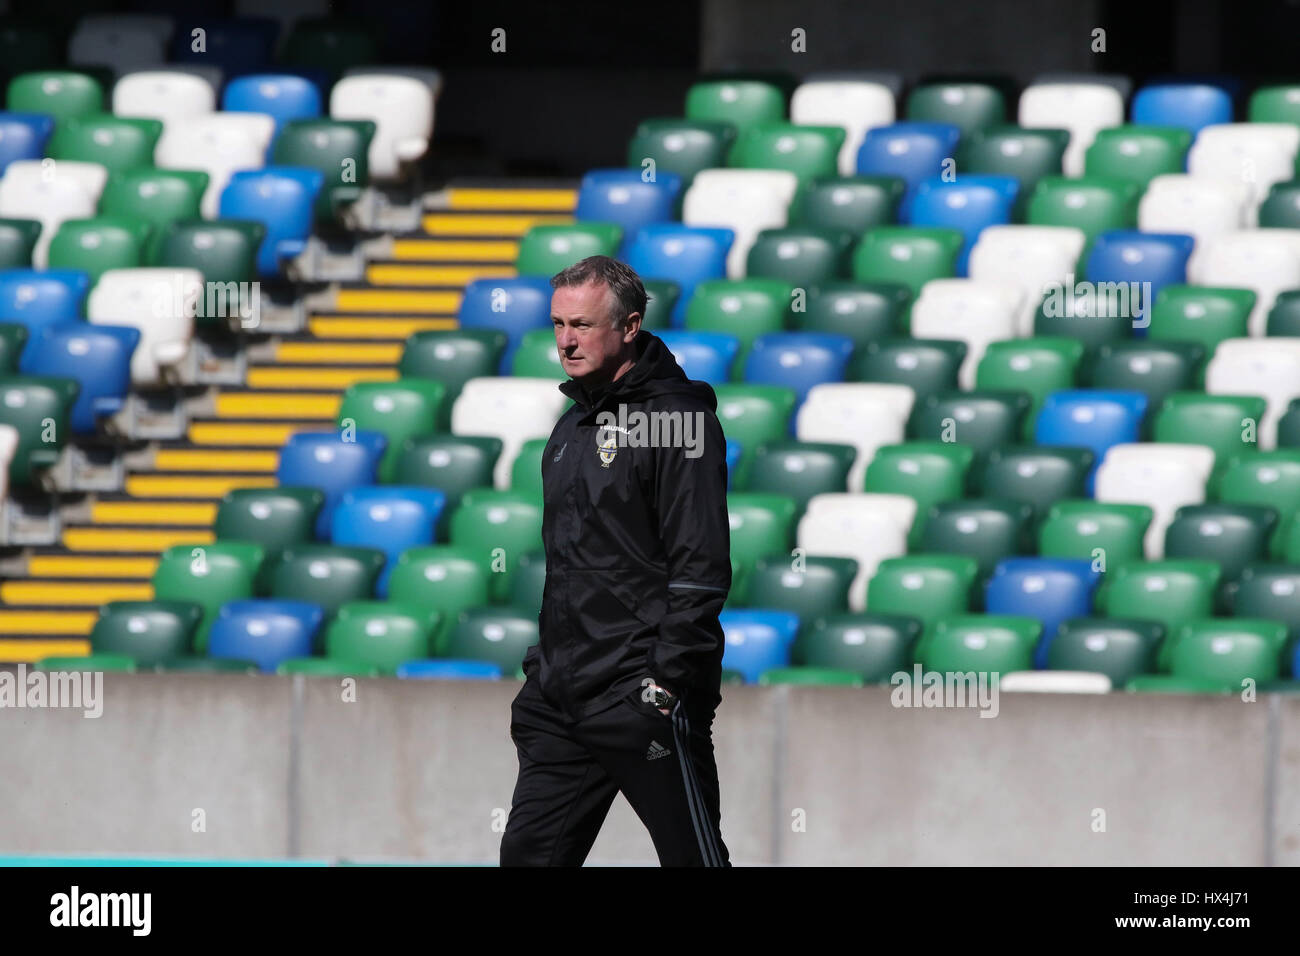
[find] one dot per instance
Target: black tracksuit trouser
(570, 771)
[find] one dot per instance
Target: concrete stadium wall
(284, 767)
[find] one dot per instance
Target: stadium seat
(117, 143)
(908, 255)
(680, 146)
(282, 96)
(865, 415)
(1231, 535)
(513, 410)
(800, 469)
(441, 578)
(810, 152)
(762, 525)
(1137, 154)
(968, 106)
(337, 149)
(99, 359)
(743, 308)
(37, 297)
(223, 251)
(1081, 107)
(1270, 478)
(272, 517)
(1163, 475)
(979, 643)
(798, 360)
(283, 199)
(148, 632)
(982, 420)
(265, 631)
(876, 646)
(1141, 261)
(927, 366)
(538, 357)
(1252, 156)
(1106, 533)
(38, 409)
(13, 338)
(757, 641)
(500, 527)
(498, 635)
(162, 94)
(323, 574)
(1091, 419)
(1227, 424)
(1207, 316)
(1034, 475)
(161, 303)
(661, 299)
(686, 255)
(742, 103)
(154, 196)
(803, 257)
(59, 94)
(23, 136)
(209, 575)
(1232, 651)
(754, 414)
(929, 471)
(90, 663)
(1283, 318)
(1120, 648)
(399, 410)
(1274, 104)
(528, 589)
(391, 518)
(1054, 682)
(1034, 259)
(703, 356)
(1027, 155)
(1266, 261)
(1265, 367)
(969, 204)
(913, 151)
(625, 198)
(977, 312)
(1050, 590)
(849, 204)
(809, 677)
(1153, 368)
(97, 245)
(1271, 591)
(1170, 593)
(854, 106)
(924, 586)
(28, 191)
(985, 529)
(1196, 206)
(862, 311)
(548, 249)
(812, 586)
(326, 461)
(514, 306)
(449, 670)
(1091, 204)
(526, 469)
(401, 108)
(866, 527)
(1191, 106)
(217, 144)
(746, 201)
(1038, 366)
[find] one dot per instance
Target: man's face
(591, 349)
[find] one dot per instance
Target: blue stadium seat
(324, 460)
(283, 199)
(23, 136)
(704, 356)
(912, 150)
(390, 518)
(1189, 105)
(36, 297)
(449, 670)
(282, 96)
(264, 631)
(798, 360)
(97, 356)
(1126, 255)
(969, 204)
(1049, 589)
(1092, 419)
(621, 196)
(237, 45)
(688, 255)
(757, 641)
(515, 306)
(733, 458)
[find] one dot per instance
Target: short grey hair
(623, 283)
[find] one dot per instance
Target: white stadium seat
(1162, 475)
(1256, 155)
(1055, 682)
(165, 95)
(512, 409)
(1193, 205)
(1265, 260)
(217, 143)
(65, 189)
(974, 311)
(866, 527)
(853, 106)
(860, 414)
(401, 108)
(1082, 108)
(1267, 367)
(1032, 258)
(161, 303)
(745, 201)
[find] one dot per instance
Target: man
(621, 691)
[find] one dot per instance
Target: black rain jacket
(637, 545)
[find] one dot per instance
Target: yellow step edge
(43, 622)
(402, 274)
(98, 566)
(308, 377)
(187, 459)
(452, 250)
(133, 539)
(73, 593)
(396, 300)
(547, 200)
(244, 433)
(375, 328)
(152, 512)
(275, 405)
(193, 486)
(341, 353)
(440, 224)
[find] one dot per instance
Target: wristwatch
(662, 698)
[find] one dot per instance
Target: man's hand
(649, 690)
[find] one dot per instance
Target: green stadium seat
(927, 366)
(861, 311)
(109, 663)
(752, 415)
(538, 357)
(453, 356)
(810, 152)
(326, 574)
(148, 632)
(381, 634)
(1035, 475)
(1283, 317)
(17, 240)
(528, 588)
(1121, 649)
(208, 665)
(1091, 203)
(499, 635)
(1275, 104)
(156, 196)
(817, 586)
(1216, 421)
(928, 471)
(985, 529)
(742, 103)
(1170, 592)
(271, 517)
(925, 586)
(681, 146)
(1171, 684)
(30, 403)
(402, 409)
(117, 143)
(1137, 154)
(454, 464)
(498, 527)
(325, 667)
(1091, 326)
(224, 250)
(745, 308)
(810, 677)
(851, 204)
(762, 525)
(873, 645)
(1270, 478)
(1231, 650)
(800, 469)
(1288, 427)
(443, 578)
(802, 256)
(968, 106)
(97, 245)
(339, 149)
(209, 575)
(1155, 369)
(548, 249)
(1026, 154)
(1077, 528)
(982, 643)
(1188, 313)
(13, 337)
(908, 255)
(58, 93)
(1281, 207)
(1038, 366)
(983, 420)
(1231, 535)
(526, 472)
(661, 299)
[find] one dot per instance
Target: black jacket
(637, 543)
